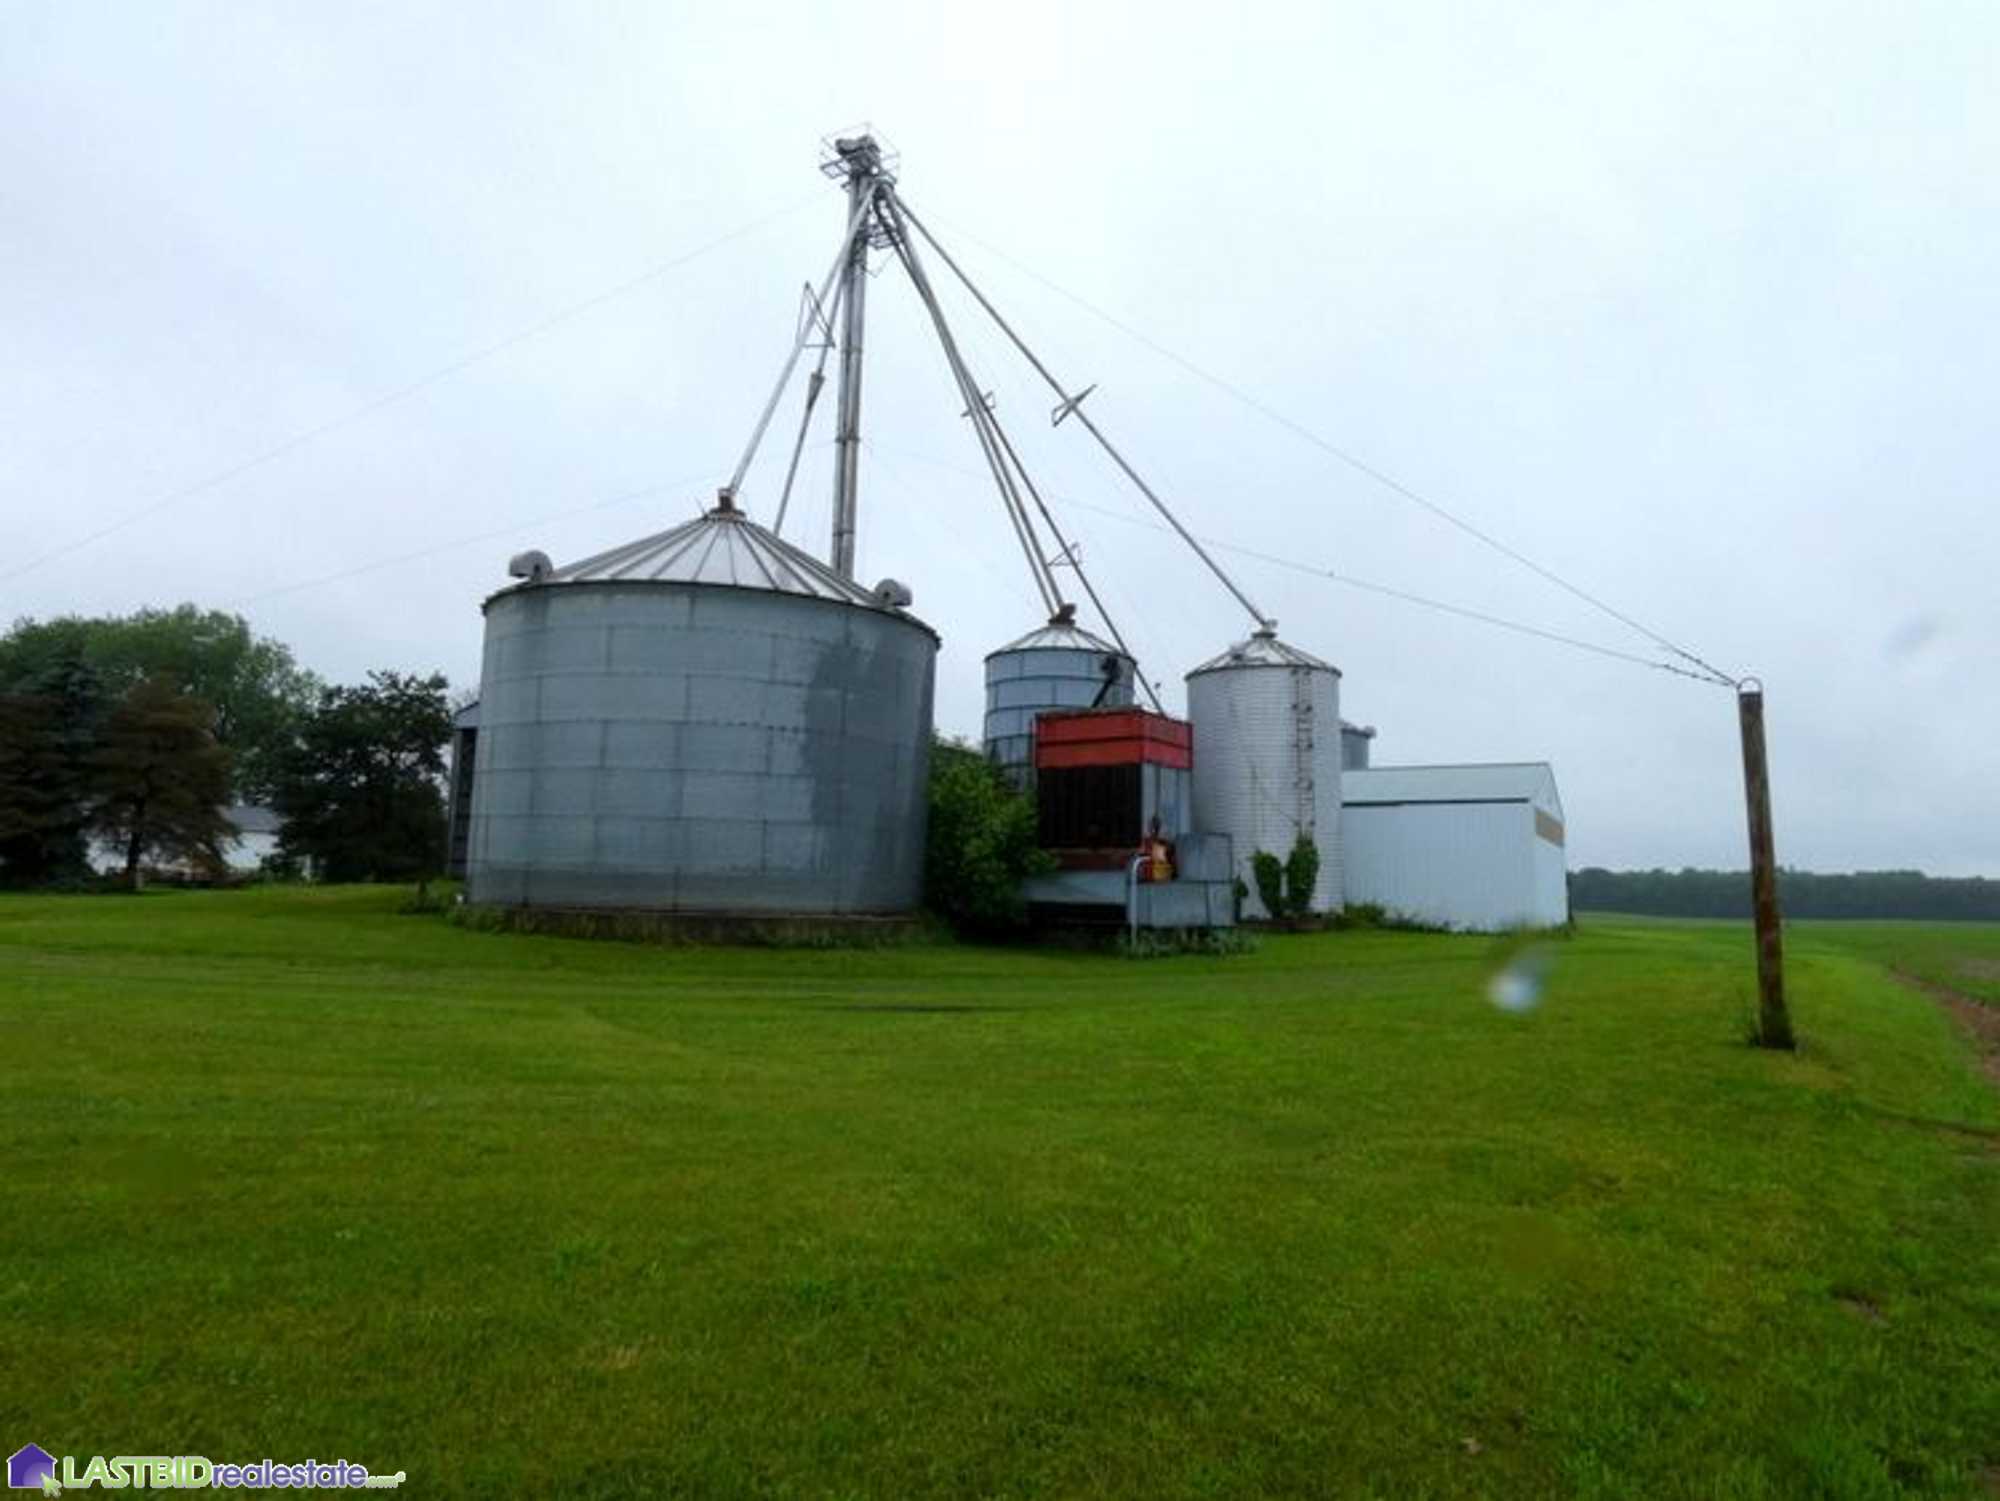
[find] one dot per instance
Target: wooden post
(1774, 1022)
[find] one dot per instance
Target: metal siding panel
(1022, 683)
(1175, 904)
(1458, 865)
(805, 794)
(1551, 866)
(1205, 857)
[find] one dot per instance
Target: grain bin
(1267, 753)
(707, 720)
(1058, 666)
(1355, 743)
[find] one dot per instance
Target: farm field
(293, 1175)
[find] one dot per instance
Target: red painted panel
(1123, 752)
(1111, 737)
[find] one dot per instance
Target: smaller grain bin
(1267, 757)
(1059, 666)
(1355, 743)
(708, 720)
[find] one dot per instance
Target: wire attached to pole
(1069, 405)
(1706, 671)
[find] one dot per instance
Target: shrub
(1269, 871)
(982, 843)
(1171, 943)
(1301, 876)
(1361, 915)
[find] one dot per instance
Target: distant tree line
(136, 732)
(1801, 893)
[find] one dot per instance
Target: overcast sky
(1693, 303)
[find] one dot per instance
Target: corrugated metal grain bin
(1355, 742)
(1267, 754)
(1059, 666)
(708, 720)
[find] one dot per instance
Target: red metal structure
(1102, 778)
(1111, 737)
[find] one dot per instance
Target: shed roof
(1496, 782)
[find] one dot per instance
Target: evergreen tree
(46, 730)
(159, 779)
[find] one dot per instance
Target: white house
(1468, 847)
(256, 837)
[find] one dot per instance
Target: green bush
(1301, 876)
(982, 843)
(1269, 871)
(1172, 943)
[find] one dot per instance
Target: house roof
(1497, 782)
(249, 818)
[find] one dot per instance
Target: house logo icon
(31, 1468)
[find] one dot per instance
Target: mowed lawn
(290, 1174)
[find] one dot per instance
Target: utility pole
(1774, 1022)
(859, 160)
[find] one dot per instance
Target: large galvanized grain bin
(708, 720)
(1267, 754)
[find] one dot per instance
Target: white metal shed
(1471, 847)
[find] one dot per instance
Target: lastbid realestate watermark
(33, 1468)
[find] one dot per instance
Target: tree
(251, 683)
(46, 733)
(981, 843)
(159, 779)
(360, 789)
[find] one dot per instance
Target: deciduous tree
(361, 790)
(255, 689)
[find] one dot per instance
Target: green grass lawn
(289, 1174)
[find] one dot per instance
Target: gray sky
(1694, 303)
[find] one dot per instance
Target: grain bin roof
(1263, 650)
(1052, 637)
(721, 547)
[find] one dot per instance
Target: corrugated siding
(1460, 865)
(1257, 779)
(700, 749)
(1551, 885)
(1020, 684)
